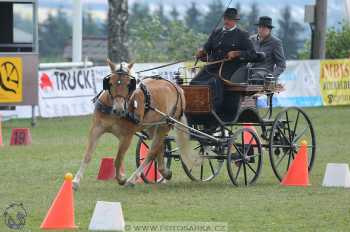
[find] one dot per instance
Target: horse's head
(120, 84)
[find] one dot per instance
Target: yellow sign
(11, 79)
(335, 82)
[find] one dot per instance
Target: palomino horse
(122, 109)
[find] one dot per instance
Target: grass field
(33, 174)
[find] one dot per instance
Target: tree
(90, 27)
(193, 17)
(54, 33)
(252, 18)
(216, 10)
(160, 14)
(242, 22)
(174, 14)
(139, 13)
(148, 43)
(289, 31)
(338, 42)
(117, 30)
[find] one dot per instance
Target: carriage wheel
(150, 173)
(290, 127)
(244, 158)
(211, 165)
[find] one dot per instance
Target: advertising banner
(335, 82)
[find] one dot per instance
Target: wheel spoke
(239, 152)
(250, 167)
(280, 146)
(296, 138)
(295, 125)
(279, 129)
(243, 142)
(149, 168)
(250, 145)
(278, 163)
(239, 169)
(289, 156)
(245, 174)
(201, 177)
(289, 132)
(211, 167)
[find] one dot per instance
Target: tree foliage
(193, 18)
(338, 42)
(252, 18)
(54, 34)
(214, 14)
(289, 32)
(148, 43)
(165, 34)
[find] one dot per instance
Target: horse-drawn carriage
(238, 135)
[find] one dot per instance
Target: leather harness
(131, 116)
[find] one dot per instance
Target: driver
(228, 42)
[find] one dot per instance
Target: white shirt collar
(233, 28)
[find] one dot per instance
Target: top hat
(265, 21)
(231, 13)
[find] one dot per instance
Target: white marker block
(107, 216)
(337, 175)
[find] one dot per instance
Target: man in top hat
(264, 41)
(229, 42)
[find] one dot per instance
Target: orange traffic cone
(61, 212)
(298, 174)
(1, 144)
(107, 169)
(247, 137)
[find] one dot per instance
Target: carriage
(239, 135)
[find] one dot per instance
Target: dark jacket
(221, 42)
(275, 60)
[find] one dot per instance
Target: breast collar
(126, 113)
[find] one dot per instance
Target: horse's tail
(188, 155)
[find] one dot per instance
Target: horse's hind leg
(152, 154)
(95, 132)
(166, 173)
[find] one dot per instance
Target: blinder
(131, 85)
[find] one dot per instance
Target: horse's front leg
(124, 144)
(95, 133)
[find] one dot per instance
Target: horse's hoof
(75, 186)
(129, 184)
(121, 181)
(167, 174)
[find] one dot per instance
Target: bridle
(131, 86)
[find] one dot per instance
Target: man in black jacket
(229, 42)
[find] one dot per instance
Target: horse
(123, 109)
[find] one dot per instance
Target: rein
(162, 66)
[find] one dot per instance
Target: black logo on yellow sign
(9, 77)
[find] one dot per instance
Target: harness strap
(173, 111)
(147, 95)
(103, 108)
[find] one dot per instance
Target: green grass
(33, 175)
